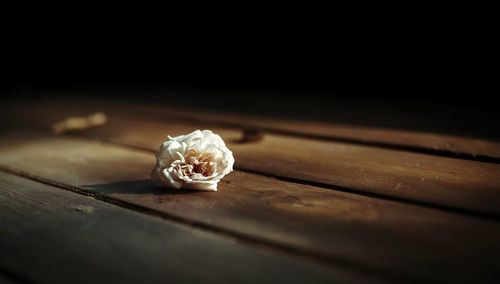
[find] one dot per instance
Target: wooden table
(308, 202)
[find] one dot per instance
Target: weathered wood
(385, 235)
(448, 145)
(49, 235)
(446, 182)
(436, 143)
(454, 183)
(394, 138)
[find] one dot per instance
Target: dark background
(312, 81)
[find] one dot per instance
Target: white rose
(194, 161)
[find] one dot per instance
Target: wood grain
(49, 235)
(434, 143)
(396, 238)
(456, 184)
(453, 183)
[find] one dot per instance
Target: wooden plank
(446, 182)
(466, 147)
(389, 236)
(49, 235)
(434, 143)
(440, 144)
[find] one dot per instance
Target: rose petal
(194, 161)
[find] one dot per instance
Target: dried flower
(194, 161)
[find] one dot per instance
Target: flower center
(198, 163)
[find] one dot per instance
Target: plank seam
(375, 144)
(392, 146)
(227, 233)
(461, 211)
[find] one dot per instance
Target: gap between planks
(319, 132)
(400, 231)
(449, 183)
(387, 145)
(263, 125)
(42, 209)
(333, 138)
(470, 185)
(224, 232)
(462, 211)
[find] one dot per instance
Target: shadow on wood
(143, 186)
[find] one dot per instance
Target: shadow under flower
(144, 186)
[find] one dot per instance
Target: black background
(345, 81)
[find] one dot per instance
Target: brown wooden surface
(454, 183)
(434, 143)
(335, 226)
(50, 235)
(384, 137)
(446, 182)
(401, 214)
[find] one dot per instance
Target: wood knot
(251, 135)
